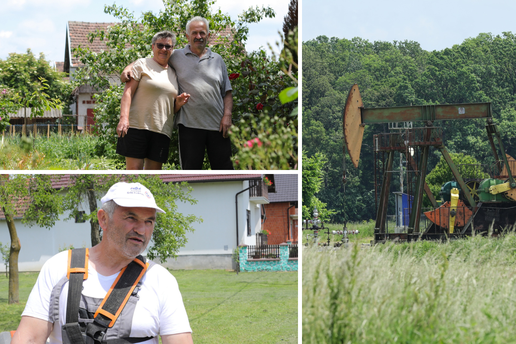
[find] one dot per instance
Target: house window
(79, 218)
(272, 187)
(248, 222)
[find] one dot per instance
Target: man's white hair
(196, 19)
(109, 207)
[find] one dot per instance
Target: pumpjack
(485, 203)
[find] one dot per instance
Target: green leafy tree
(290, 26)
(13, 190)
(31, 82)
(468, 167)
(9, 103)
(312, 181)
(170, 230)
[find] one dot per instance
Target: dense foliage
(256, 79)
(313, 177)
(481, 69)
(27, 81)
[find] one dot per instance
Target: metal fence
(270, 251)
(262, 252)
(292, 251)
(259, 189)
(45, 129)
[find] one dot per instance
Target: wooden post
(72, 128)
(48, 130)
(35, 128)
(59, 129)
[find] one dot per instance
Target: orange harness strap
(115, 300)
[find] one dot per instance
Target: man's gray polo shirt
(206, 80)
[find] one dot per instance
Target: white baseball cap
(131, 195)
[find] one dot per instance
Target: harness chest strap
(111, 306)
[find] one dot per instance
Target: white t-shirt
(159, 311)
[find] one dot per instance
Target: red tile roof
(60, 66)
(78, 33)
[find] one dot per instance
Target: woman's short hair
(196, 19)
(164, 34)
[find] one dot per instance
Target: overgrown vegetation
(58, 152)
(460, 291)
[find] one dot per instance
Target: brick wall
(277, 223)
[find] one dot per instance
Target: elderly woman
(148, 105)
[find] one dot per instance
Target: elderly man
(204, 121)
(153, 307)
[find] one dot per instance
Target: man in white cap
(127, 217)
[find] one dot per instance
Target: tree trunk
(95, 228)
(24, 128)
(14, 295)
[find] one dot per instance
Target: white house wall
(83, 99)
(39, 244)
(213, 241)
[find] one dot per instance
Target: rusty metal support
(428, 193)
(491, 130)
(457, 176)
(426, 113)
(381, 214)
(415, 213)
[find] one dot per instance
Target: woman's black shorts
(144, 144)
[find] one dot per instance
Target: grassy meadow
(461, 291)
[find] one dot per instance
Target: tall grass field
(461, 291)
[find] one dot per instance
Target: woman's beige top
(152, 106)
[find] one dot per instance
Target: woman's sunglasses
(166, 46)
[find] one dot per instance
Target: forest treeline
(481, 69)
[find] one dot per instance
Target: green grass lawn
(223, 307)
